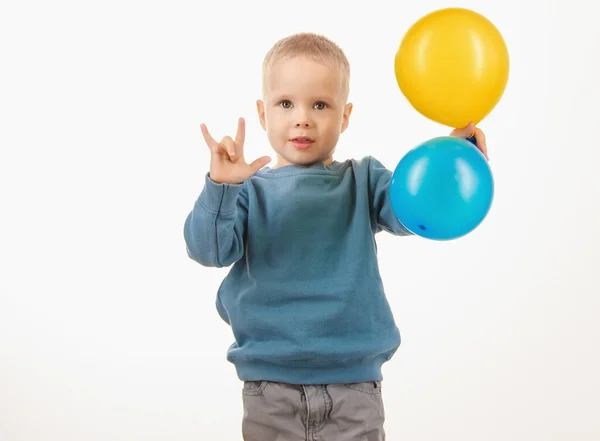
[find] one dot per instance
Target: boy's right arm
(214, 229)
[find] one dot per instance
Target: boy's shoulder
(367, 161)
(369, 164)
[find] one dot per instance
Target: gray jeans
(276, 411)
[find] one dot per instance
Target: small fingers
(464, 132)
(210, 141)
(241, 132)
(234, 149)
(229, 146)
(469, 131)
(480, 139)
(259, 163)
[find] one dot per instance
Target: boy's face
(304, 111)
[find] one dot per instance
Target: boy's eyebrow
(326, 98)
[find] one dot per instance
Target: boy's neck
(327, 162)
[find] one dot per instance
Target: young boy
(304, 297)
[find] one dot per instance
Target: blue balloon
(442, 189)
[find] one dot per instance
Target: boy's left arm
(382, 214)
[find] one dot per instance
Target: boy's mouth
(302, 142)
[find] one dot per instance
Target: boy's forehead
(298, 74)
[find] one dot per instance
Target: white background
(108, 331)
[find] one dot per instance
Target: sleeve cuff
(219, 198)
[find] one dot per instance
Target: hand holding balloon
(474, 135)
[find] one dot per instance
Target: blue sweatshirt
(304, 297)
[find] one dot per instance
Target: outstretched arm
(381, 207)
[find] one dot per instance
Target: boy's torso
(307, 293)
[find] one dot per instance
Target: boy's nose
(302, 118)
(303, 123)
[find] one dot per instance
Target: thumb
(259, 163)
(464, 132)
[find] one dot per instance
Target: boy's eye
(285, 104)
(320, 105)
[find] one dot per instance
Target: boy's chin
(304, 159)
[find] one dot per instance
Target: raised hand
(227, 163)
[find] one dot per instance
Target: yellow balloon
(452, 66)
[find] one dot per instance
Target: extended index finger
(210, 141)
(241, 133)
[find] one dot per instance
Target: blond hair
(314, 46)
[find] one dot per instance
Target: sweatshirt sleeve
(215, 228)
(381, 206)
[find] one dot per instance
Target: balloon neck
(472, 139)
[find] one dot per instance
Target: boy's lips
(302, 142)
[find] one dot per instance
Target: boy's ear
(260, 107)
(346, 116)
